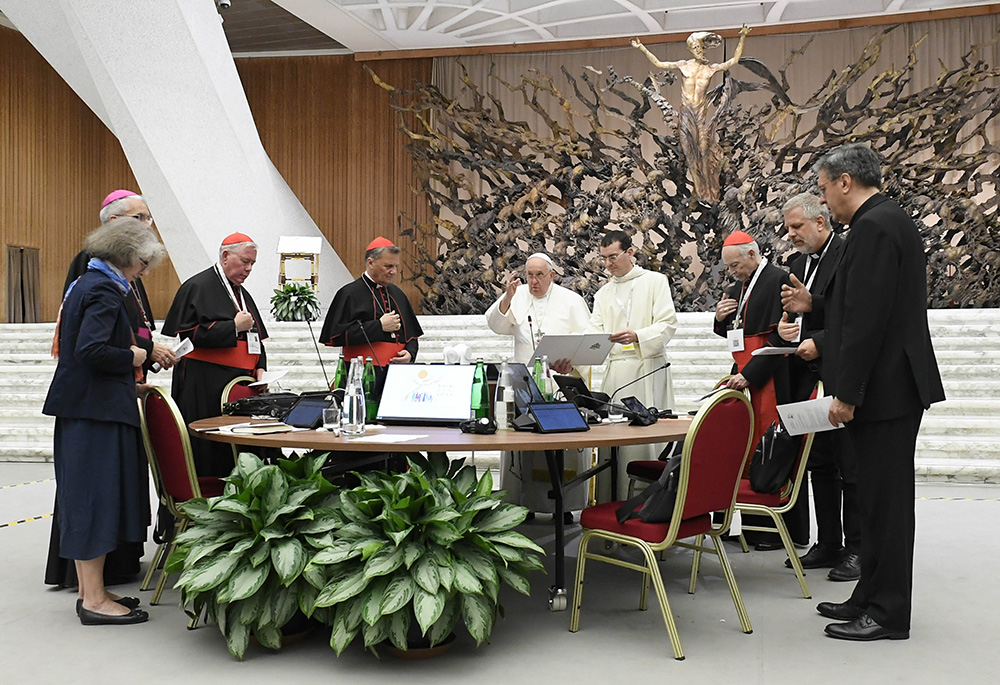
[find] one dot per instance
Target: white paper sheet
(386, 438)
(270, 377)
(811, 416)
(772, 351)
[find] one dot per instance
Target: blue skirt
(102, 481)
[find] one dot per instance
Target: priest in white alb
(527, 312)
(636, 310)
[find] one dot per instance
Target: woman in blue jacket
(100, 467)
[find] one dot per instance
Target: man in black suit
(832, 465)
(879, 365)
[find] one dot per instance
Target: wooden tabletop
(439, 439)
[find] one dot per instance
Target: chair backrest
(237, 389)
(715, 450)
(168, 447)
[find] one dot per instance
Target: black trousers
(886, 504)
(833, 473)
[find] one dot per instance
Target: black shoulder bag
(655, 504)
(774, 459)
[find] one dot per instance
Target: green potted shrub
(242, 556)
(425, 550)
(295, 302)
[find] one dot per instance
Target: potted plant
(425, 549)
(295, 302)
(242, 556)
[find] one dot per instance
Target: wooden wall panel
(57, 162)
(333, 136)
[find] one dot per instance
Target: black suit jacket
(878, 354)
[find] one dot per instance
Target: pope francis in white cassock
(552, 309)
(636, 310)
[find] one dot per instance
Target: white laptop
(428, 394)
(584, 349)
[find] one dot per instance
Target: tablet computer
(577, 392)
(557, 417)
(308, 411)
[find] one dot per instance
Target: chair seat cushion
(747, 495)
(647, 469)
(210, 486)
(602, 517)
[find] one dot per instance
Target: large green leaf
(341, 635)
(411, 552)
(210, 519)
(371, 600)
(244, 582)
(465, 480)
(384, 561)
(447, 576)
(485, 485)
(465, 578)
(530, 563)
(250, 608)
(289, 558)
(268, 636)
(351, 510)
(247, 464)
(512, 538)
(324, 520)
(478, 615)
(439, 464)
(281, 514)
(504, 517)
(233, 506)
(208, 573)
(283, 607)
(427, 607)
(439, 514)
(399, 626)
(314, 575)
(482, 564)
(260, 553)
(400, 535)
(338, 552)
(397, 594)
(342, 588)
(426, 574)
(515, 580)
(237, 638)
(509, 553)
(306, 597)
(445, 625)
(443, 534)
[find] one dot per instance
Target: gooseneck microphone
(636, 380)
(532, 332)
(361, 325)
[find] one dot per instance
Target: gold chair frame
(650, 570)
(224, 397)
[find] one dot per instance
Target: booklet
(583, 349)
(810, 416)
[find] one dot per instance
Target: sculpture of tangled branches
(499, 190)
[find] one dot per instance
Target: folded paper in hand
(181, 349)
(811, 416)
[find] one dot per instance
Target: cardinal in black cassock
(371, 317)
(214, 310)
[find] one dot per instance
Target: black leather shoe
(820, 555)
(127, 602)
(849, 568)
(844, 611)
(864, 629)
(92, 618)
(768, 546)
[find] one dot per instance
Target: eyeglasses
(612, 258)
(144, 218)
(144, 262)
(534, 276)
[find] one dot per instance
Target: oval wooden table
(382, 439)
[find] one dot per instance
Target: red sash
(238, 357)
(763, 400)
(384, 351)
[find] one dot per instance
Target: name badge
(628, 348)
(798, 336)
(253, 342)
(734, 339)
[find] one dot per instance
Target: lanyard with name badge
(253, 338)
(809, 283)
(734, 336)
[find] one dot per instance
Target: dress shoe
(849, 568)
(127, 602)
(768, 546)
(820, 555)
(92, 618)
(844, 611)
(863, 628)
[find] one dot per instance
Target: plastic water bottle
(504, 402)
(546, 387)
(352, 418)
(480, 406)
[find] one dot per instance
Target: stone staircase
(959, 439)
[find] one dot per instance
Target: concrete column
(161, 77)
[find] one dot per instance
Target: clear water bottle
(547, 387)
(352, 417)
(504, 401)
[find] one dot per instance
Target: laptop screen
(432, 394)
(525, 390)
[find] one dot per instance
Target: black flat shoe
(864, 629)
(127, 602)
(820, 555)
(844, 611)
(849, 568)
(92, 618)
(768, 546)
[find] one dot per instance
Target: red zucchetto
(737, 238)
(379, 242)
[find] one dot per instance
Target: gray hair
(812, 208)
(232, 248)
(855, 160)
(745, 248)
(376, 252)
(125, 242)
(117, 207)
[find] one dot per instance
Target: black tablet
(557, 417)
(308, 412)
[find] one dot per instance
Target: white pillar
(161, 77)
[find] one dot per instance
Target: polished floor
(954, 635)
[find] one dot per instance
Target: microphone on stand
(361, 325)
(532, 332)
(636, 380)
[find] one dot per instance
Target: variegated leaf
(465, 578)
(397, 594)
(344, 588)
(399, 625)
(371, 600)
(289, 558)
(426, 574)
(512, 538)
(385, 561)
(427, 607)
(478, 616)
(504, 517)
(244, 582)
(515, 580)
(208, 573)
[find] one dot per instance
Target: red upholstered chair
(168, 448)
(715, 449)
(750, 502)
(237, 389)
